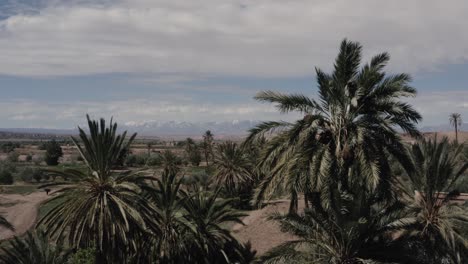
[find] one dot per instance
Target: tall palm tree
(34, 248)
(455, 121)
(436, 218)
(208, 138)
(354, 120)
(100, 207)
(232, 166)
(167, 225)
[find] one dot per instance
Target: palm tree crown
(456, 122)
(438, 165)
(351, 125)
(99, 208)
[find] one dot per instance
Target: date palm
(34, 248)
(455, 121)
(436, 218)
(232, 166)
(167, 225)
(353, 120)
(355, 237)
(207, 214)
(170, 162)
(100, 207)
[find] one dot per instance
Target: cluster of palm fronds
(340, 157)
(129, 217)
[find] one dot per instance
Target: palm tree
(436, 219)
(192, 152)
(232, 166)
(170, 162)
(207, 216)
(101, 207)
(189, 227)
(455, 121)
(356, 236)
(208, 145)
(34, 248)
(353, 121)
(167, 225)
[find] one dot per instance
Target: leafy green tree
(100, 207)
(352, 125)
(53, 153)
(435, 218)
(27, 174)
(38, 175)
(455, 121)
(34, 248)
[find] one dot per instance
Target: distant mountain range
(192, 129)
(160, 129)
(446, 127)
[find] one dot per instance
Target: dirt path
(263, 233)
(21, 211)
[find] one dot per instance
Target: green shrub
(6, 177)
(29, 158)
(37, 175)
(8, 147)
(134, 160)
(83, 256)
(154, 160)
(27, 174)
(13, 156)
(8, 166)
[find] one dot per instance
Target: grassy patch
(18, 189)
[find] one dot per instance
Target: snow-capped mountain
(176, 128)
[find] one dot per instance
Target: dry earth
(262, 232)
(21, 211)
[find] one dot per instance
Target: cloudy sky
(142, 60)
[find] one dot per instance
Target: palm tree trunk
(293, 204)
(456, 132)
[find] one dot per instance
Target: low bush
(6, 177)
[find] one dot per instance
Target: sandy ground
(263, 233)
(21, 211)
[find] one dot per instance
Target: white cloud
(238, 37)
(435, 107)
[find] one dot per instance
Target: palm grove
(368, 197)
